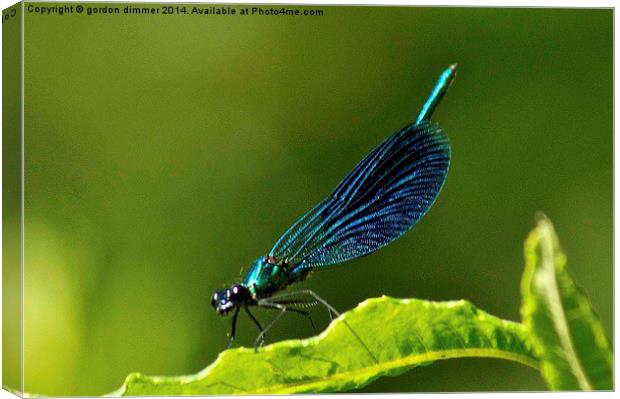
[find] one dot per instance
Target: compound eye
(235, 292)
(214, 299)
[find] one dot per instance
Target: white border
(480, 3)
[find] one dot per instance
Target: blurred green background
(164, 153)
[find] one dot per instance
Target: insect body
(377, 202)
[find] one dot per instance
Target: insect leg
(272, 305)
(234, 327)
(261, 335)
(332, 311)
(299, 302)
(260, 328)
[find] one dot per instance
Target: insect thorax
(267, 276)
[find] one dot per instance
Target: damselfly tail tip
(441, 87)
(450, 74)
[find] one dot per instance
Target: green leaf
(566, 334)
(381, 336)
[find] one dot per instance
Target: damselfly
(377, 202)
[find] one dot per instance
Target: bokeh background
(165, 153)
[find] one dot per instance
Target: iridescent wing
(380, 200)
